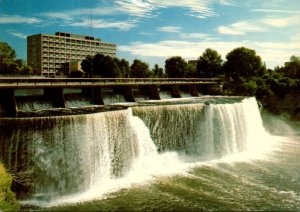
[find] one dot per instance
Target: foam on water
(82, 158)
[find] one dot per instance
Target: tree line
(243, 69)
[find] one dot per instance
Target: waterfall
(203, 130)
(62, 155)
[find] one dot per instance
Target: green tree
(209, 64)
(7, 53)
(190, 71)
(25, 70)
(175, 67)
(76, 74)
(87, 65)
(109, 68)
(158, 71)
(139, 69)
(8, 64)
(243, 62)
(123, 67)
(292, 68)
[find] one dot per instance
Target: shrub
(8, 200)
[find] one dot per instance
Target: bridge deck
(99, 82)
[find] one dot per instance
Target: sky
(154, 30)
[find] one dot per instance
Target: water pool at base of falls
(193, 154)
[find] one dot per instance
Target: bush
(8, 200)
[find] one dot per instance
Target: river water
(212, 153)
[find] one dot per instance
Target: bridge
(93, 88)
(36, 82)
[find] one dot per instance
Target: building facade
(51, 54)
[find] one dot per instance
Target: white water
(96, 154)
(34, 105)
(113, 98)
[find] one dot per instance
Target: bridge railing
(23, 82)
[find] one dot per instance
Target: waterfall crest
(68, 154)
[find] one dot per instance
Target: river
(207, 153)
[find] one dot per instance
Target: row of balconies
(74, 54)
(82, 51)
(60, 41)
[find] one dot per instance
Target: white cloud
(194, 36)
(168, 29)
(229, 31)
(58, 15)
(282, 22)
(273, 53)
(17, 34)
(198, 8)
(136, 8)
(275, 11)
(99, 23)
(240, 28)
(15, 19)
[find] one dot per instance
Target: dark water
(217, 155)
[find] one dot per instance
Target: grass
(8, 200)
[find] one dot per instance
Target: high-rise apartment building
(49, 54)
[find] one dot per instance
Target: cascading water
(207, 131)
(71, 154)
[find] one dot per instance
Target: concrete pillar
(8, 103)
(193, 90)
(128, 94)
(97, 96)
(94, 93)
(152, 91)
(215, 89)
(56, 95)
(175, 91)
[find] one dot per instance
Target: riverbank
(278, 102)
(8, 200)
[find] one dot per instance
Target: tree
(243, 62)
(98, 64)
(157, 71)
(8, 63)
(7, 53)
(109, 68)
(123, 67)
(175, 67)
(76, 74)
(209, 64)
(101, 65)
(139, 69)
(292, 68)
(87, 65)
(190, 71)
(26, 70)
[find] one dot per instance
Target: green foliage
(9, 64)
(8, 200)
(76, 74)
(105, 66)
(123, 67)
(291, 69)
(243, 62)
(157, 71)
(209, 64)
(87, 65)
(7, 53)
(139, 69)
(250, 87)
(190, 71)
(175, 67)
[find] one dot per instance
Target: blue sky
(154, 30)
